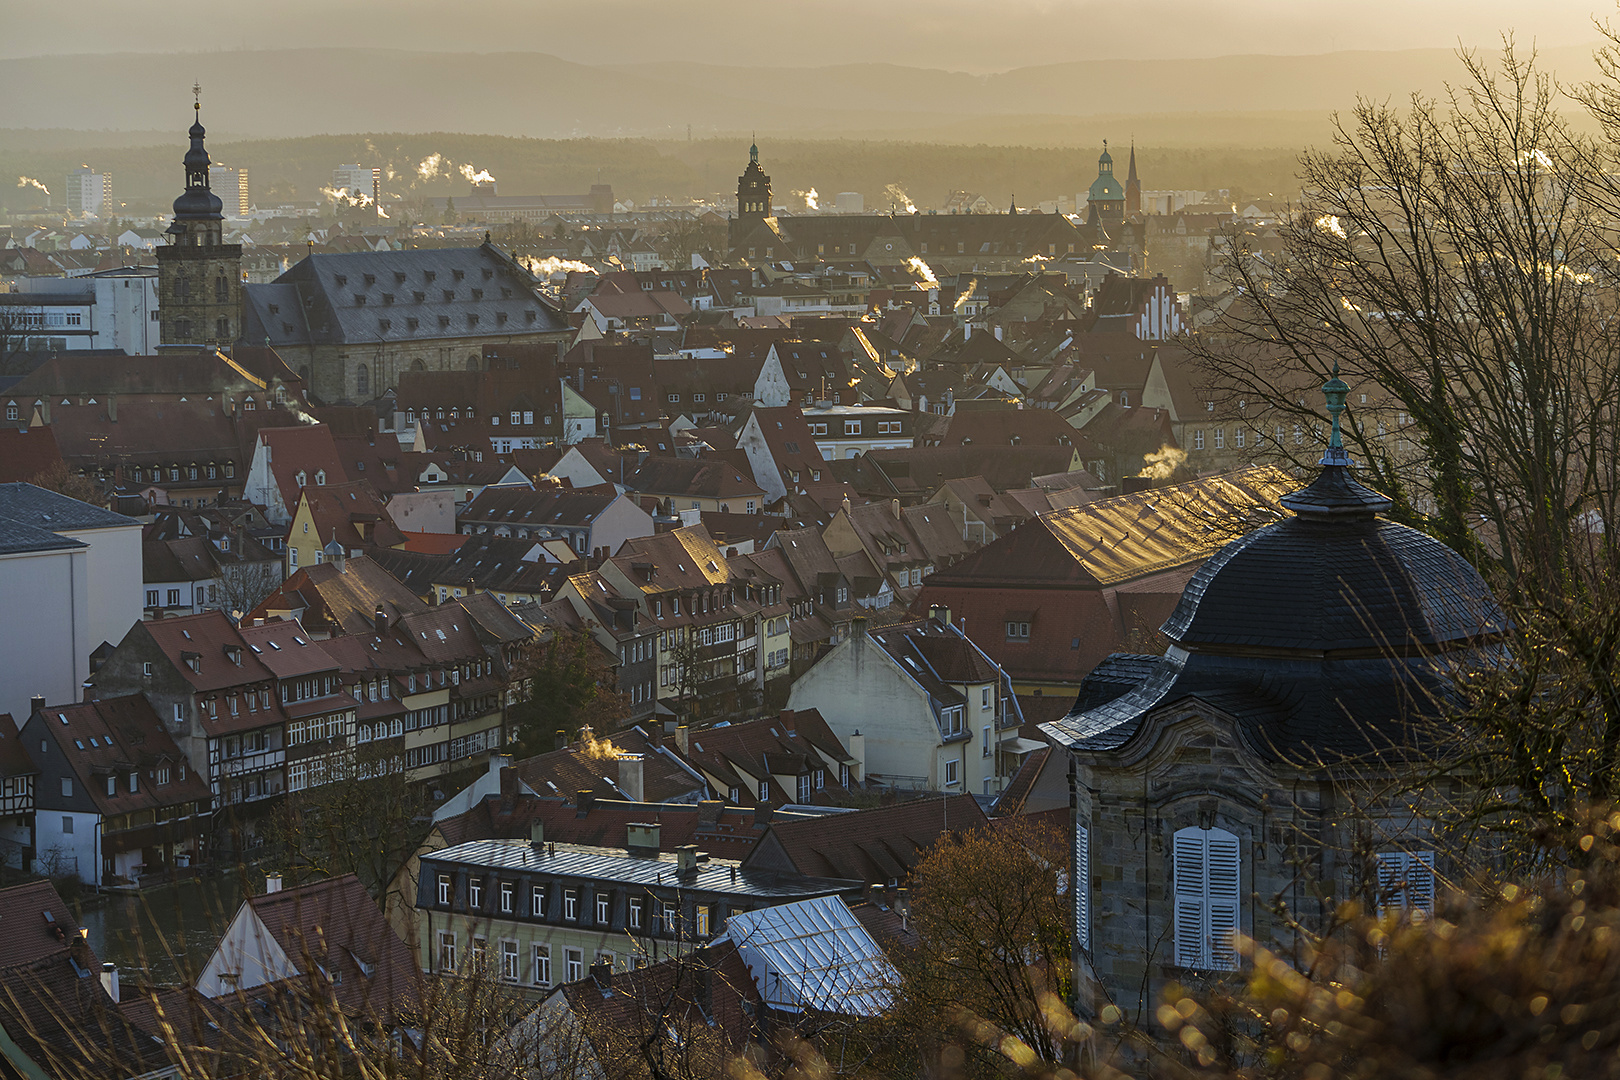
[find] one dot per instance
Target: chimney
(709, 811)
(902, 904)
(998, 333)
(36, 704)
(857, 750)
(762, 815)
(686, 858)
(631, 777)
(272, 884)
(602, 974)
(786, 719)
(112, 415)
(894, 506)
(87, 690)
(561, 740)
(857, 627)
(1130, 485)
(584, 799)
(537, 835)
(643, 838)
(683, 737)
(380, 620)
(497, 762)
(940, 614)
(109, 979)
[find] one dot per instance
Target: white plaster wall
(424, 511)
(857, 687)
(45, 629)
(622, 520)
(115, 589)
(59, 852)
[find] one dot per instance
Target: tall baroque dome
(1323, 634)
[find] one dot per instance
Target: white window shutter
(1188, 867)
(1406, 880)
(1081, 880)
(1207, 893)
(1420, 881)
(1222, 863)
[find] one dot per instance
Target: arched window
(472, 363)
(1206, 870)
(362, 380)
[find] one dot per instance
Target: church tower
(753, 197)
(1133, 188)
(199, 275)
(1105, 201)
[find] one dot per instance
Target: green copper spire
(1335, 390)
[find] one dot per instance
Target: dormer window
(302, 478)
(320, 478)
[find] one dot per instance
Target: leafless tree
(1450, 259)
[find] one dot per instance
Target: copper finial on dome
(1334, 491)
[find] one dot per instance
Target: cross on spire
(196, 94)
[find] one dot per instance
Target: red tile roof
(864, 845)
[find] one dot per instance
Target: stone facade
(200, 293)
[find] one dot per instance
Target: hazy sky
(971, 35)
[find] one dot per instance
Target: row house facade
(535, 914)
(265, 710)
(711, 628)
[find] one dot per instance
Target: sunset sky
(967, 35)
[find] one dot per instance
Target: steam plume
(921, 269)
(478, 176)
(811, 199)
(1163, 463)
(429, 167)
(29, 181)
(547, 267)
(901, 197)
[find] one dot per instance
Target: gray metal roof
(27, 504)
(375, 296)
(611, 864)
(813, 955)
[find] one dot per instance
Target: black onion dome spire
(197, 202)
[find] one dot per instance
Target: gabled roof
(788, 744)
(865, 845)
(334, 923)
(343, 510)
(190, 558)
(342, 600)
(114, 737)
(372, 297)
(59, 1018)
(691, 478)
(26, 452)
(26, 504)
(531, 509)
(1119, 539)
(202, 639)
(307, 450)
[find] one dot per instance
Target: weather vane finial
(196, 94)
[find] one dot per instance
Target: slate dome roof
(1334, 582)
(1323, 635)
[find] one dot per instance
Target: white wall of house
(247, 956)
(424, 511)
(622, 520)
(771, 389)
(751, 441)
(45, 640)
(858, 687)
(113, 565)
(261, 488)
(579, 472)
(67, 842)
